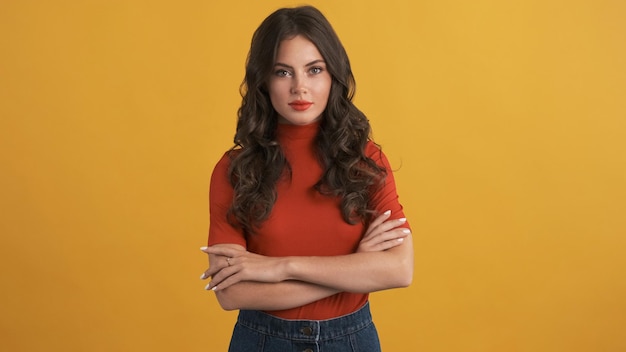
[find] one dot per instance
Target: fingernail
(387, 212)
(207, 287)
(214, 288)
(406, 231)
(204, 248)
(402, 219)
(400, 239)
(203, 276)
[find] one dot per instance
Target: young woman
(304, 215)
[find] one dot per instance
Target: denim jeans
(261, 332)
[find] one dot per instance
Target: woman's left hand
(242, 265)
(383, 234)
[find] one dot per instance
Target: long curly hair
(257, 160)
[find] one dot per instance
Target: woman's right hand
(383, 234)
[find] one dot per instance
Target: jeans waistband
(306, 330)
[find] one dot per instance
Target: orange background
(506, 122)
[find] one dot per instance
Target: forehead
(297, 49)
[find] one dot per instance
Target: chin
(300, 121)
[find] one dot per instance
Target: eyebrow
(307, 65)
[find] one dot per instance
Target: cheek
(273, 94)
(324, 88)
(277, 90)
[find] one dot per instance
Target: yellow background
(506, 121)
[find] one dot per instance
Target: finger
(375, 243)
(227, 282)
(386, 226)
(388, 236)
(379, 220)
(216, 263)
(223, 251)
(222, 277)
(210, 272)
(391, 224)
(216, 279)
(220, 250)
(393, 242)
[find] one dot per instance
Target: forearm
(271, 296)
(358, 272)
(368, 270)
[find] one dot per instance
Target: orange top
(302, 222)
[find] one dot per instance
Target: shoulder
(226, 160)
(222, 165)
(372, 148)
(220, 176)
(375, 152)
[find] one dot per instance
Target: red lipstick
(300, 105)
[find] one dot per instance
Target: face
(300, 84)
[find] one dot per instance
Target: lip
(300, 105)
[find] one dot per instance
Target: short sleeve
(384, 197)
(220, 199)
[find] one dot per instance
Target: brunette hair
(257, 159)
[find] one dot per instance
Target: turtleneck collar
(297, 132)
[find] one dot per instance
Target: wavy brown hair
(257, 159)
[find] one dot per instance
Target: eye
(282, 73)
(316, 70)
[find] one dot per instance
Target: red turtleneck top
(302, 222)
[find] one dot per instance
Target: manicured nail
(214, 288)
(388, 212)
(203, 276)
(406, 231)
(400, 239)
(207, 286)
(402, 219)
(204, 248)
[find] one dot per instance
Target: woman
(304, 215)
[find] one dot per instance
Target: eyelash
(313, 70)
(282, 73)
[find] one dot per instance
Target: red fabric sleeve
(385, 197)
(220, 199)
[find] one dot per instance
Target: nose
(298, 85)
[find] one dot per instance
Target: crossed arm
(244, 280)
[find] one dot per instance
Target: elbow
(237, 297)
(404, 278)
(406, 266)
(225, 301)
(398, 273)
(405, 274)
(228, 307)
(407, 279)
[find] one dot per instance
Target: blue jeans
(261, 332)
